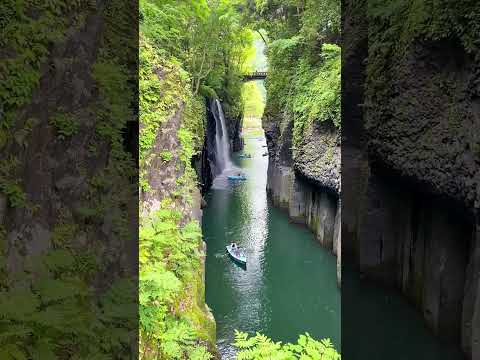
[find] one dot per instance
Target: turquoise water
(289, 285)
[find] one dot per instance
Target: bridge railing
(255, 75)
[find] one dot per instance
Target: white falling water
(222, 156)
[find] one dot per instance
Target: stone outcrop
(307, 189)
(317, 158)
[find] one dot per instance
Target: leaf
(58, 289)
(18, 303)
(44, 350)
(12, 352)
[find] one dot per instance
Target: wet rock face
(307, 204)
(424, 244)
(316, 158)
(426, 131)
(204, 163)
(234, 126)
(410, 174)
(306, 181)
(471, 302)
(427, 127)
(418, 244)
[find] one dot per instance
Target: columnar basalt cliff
(302, 114)
(308, 186)
(410, 173)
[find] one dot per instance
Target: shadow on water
(379, 323)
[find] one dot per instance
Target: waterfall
(222, 148)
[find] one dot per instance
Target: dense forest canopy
(207, 38)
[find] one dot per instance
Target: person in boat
(235, 249)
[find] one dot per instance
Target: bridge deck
(257, 75)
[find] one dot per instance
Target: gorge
(384, 182)
(284, 263)
(355, 125)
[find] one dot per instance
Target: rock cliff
(68, 203)
(307, 185)
(410, 174)
(170, 210)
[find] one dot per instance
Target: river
(289, 285)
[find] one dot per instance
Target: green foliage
(194, 117)
(172, 313)
(14, 193)
(163, 85)
(304, 61)
(394, 28)
(316, 92)
(9, 185)
(260, 347)
(208, 39)
(65, 124)
(316, 21)
(115, 93)
(166, 155)
(28, 29)
(169, 260)
(59, 315)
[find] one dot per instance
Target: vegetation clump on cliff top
(304, 61)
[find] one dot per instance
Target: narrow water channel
(289, 285)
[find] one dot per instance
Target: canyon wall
(308, 186)
(185, 197)
(410, 173)
(68, 181)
